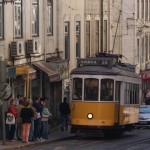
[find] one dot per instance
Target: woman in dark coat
(26, 115)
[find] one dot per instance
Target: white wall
(70, 10)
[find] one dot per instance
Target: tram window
(117, 95)
(138, 94)
(132, 93)
(91, 87)
(77, 89)
(107, 90)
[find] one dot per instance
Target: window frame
(18, 29)
(35, 23)
(88, 38)
(67, 39)
(78, 39)
(97, 38)
(49, 17)
(2, 20)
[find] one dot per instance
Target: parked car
(144, 116)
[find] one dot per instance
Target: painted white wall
(70, 10)
(128, 30)
(47, 44)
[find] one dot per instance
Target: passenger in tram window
(77, 95)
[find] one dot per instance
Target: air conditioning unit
(17, 48)
(33, 46)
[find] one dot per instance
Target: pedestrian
(26, 114)
(44, 122)
(11, 120)
(31, 133)
(64, 109)
(19, 120)
(37, 122)
(148, 97)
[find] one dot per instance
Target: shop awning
(62, 66)
(25, 70)
(48, 69)
(20, 70)
(145, 75)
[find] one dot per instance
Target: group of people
(27, 120)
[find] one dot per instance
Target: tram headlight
(90, 116)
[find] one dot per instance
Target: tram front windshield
(92, 90)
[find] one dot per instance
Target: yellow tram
(105, 95)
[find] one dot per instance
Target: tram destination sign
(95, 61)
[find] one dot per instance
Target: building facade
(28, 43)
(41, 41)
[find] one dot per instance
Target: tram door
(118, 98)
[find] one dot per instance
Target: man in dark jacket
(64, 109)
(37, 122)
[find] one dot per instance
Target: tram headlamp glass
(90, 116)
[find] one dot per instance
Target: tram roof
(102, 70)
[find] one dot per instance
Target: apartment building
(29, 45)
(42, 39)
(143, 40)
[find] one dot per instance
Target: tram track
(132, 144)
(130, 141)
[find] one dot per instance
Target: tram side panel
(129, 114)
(129, 109)
(104, 114)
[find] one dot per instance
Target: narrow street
(135, 140)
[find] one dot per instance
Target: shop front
(51, 83)
(62, 67)
(145, 76)
(21, 83)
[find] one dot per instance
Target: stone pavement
(54, 136)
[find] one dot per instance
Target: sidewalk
(54, 136)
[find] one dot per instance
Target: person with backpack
(44, 122)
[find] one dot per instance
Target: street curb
(35, 143)
(17, 147)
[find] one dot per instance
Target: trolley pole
(2, 82)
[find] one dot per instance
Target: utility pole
(2, 83)
(101, 7)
